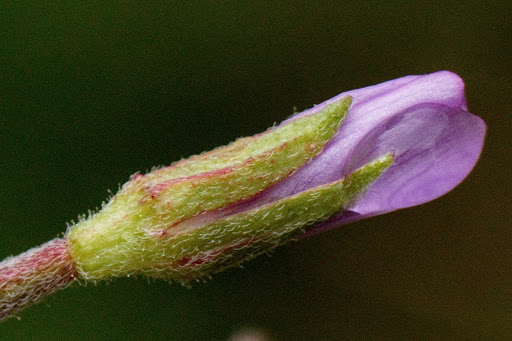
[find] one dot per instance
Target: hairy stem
(30, 276)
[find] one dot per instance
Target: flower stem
(34, 274)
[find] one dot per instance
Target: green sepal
(199, 252)
(242, 169)
(155, 222)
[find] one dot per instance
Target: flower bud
(405, 142)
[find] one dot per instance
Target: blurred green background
(93, 91)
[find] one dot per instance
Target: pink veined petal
(422, 120)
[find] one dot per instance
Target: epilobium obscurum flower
(362, 153)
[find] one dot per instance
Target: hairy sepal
(129, 235)
(199, 252)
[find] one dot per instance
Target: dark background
(93, 91)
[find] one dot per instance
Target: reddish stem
(30, 276)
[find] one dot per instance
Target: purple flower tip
(422, 120)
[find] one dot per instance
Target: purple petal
(422, 120)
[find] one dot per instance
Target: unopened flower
(362, 153)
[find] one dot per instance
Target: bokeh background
(93, 91)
